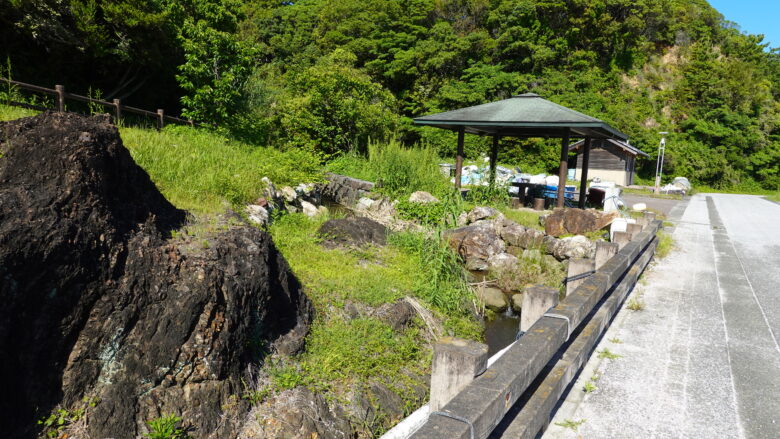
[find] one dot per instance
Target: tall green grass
(203, 171)
(396, 169)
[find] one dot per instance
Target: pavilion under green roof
(525, 115)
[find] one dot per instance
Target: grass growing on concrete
(665, 244)
(570, 424)
(609, 355)
(636, 303)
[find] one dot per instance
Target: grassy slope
(204, 172)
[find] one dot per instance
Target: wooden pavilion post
(563, 169)
(493, 159)
(584, 172)
(459, 157)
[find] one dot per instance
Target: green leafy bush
(166, 427)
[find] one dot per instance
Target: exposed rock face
(97, 302)
(476, 244)
(353, 231)
(577, 221)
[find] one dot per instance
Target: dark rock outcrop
(98, 301)
(345, 190)
(352, 232)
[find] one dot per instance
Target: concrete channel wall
(568, 333)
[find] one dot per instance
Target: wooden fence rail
(115, 106)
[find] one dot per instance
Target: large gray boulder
(475, 244)
(574, 247)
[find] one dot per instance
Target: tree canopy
(327, 75)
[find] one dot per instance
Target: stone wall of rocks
(345, 190)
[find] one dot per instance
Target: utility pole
(659, 164)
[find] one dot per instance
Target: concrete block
(621, 239)
(578, 266)
(634, 229)
(537, 300)
(455, 364)
(604, 252)
(649, 216)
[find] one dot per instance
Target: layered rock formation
(98, 301)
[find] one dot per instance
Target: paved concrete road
(663, 205)
(701, 360)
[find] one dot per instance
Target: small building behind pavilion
(610, 160)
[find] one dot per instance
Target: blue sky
(753, 16)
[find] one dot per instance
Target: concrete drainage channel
(514, 393)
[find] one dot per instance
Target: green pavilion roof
(526, 115)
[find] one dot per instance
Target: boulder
(512, 233)
(270, 190)
(570, 221)
(502, 262)
(364, 203)
(257, 214)
(352, 232)
(297, 413)
(574, 247)
(532, 238)
(475, 245)
(422, 197)
(100, 302)
(493, 298)
(288, 194)
(398, 314)
(517, 302)
(481, 212)
(309, 209)
(463, 219)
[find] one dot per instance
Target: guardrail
(541, 364)
(115, 106)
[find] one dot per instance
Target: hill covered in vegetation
(325, 75)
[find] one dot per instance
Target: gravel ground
(701, 360)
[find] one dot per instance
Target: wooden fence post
(160, 119)
(60, 89)
(118, 110)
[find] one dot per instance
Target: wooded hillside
(327, 75)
